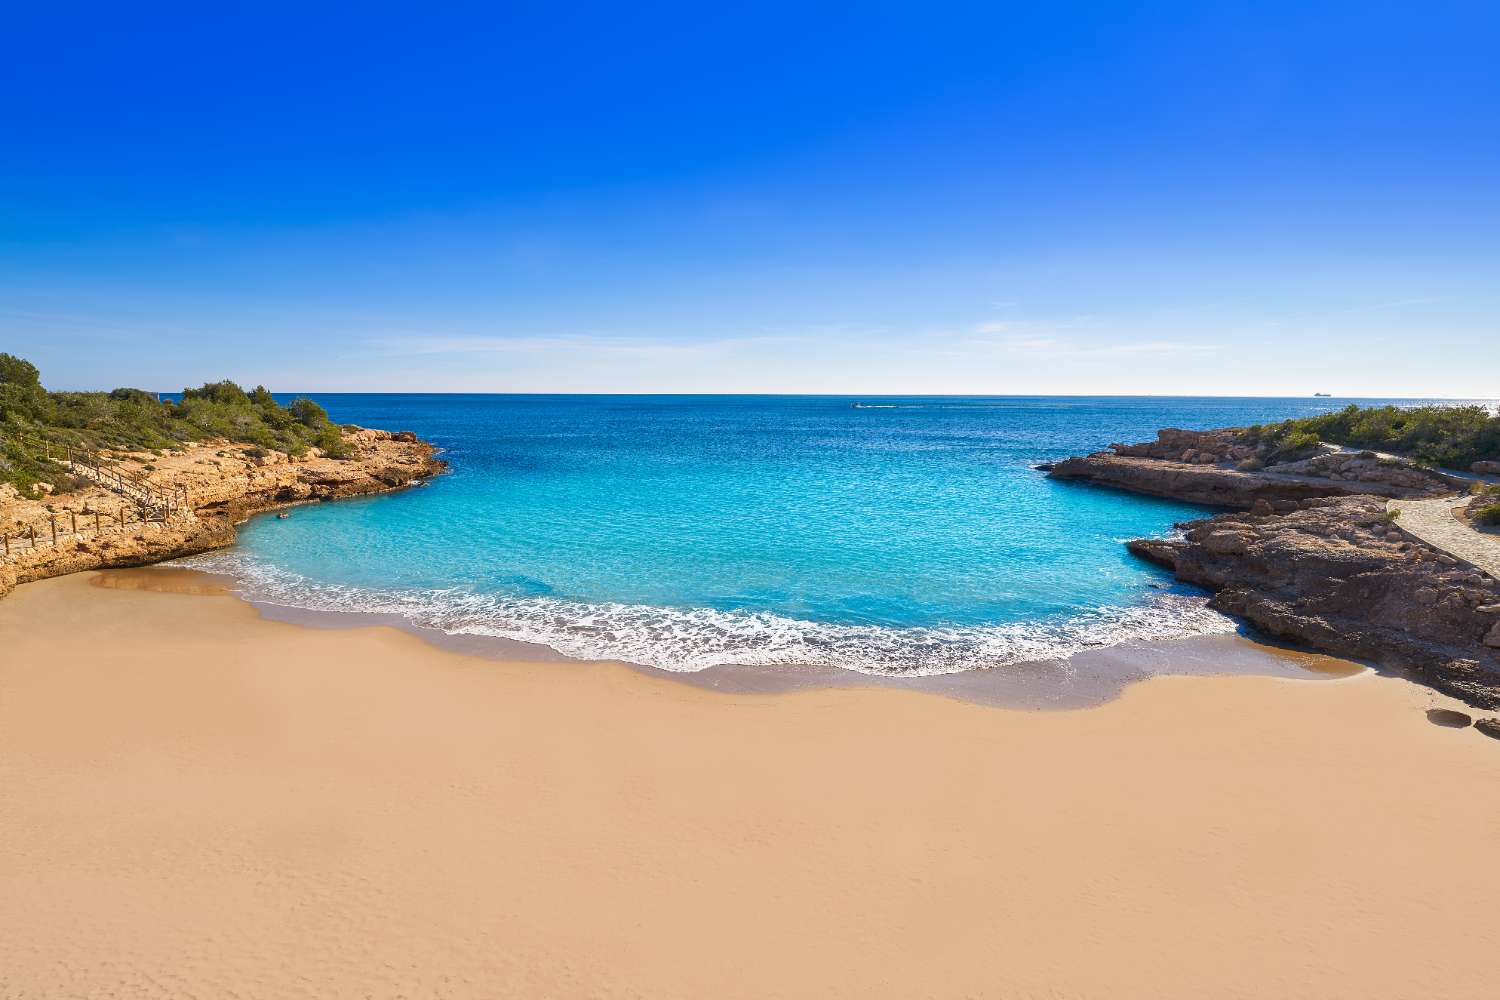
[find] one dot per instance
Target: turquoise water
(899, 535)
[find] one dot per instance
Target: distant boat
(1325, 395)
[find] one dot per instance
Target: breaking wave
(689, 640)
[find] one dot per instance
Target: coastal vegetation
(132, 420)
(1447, 436)
(1485, 509)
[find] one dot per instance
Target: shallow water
(883, 535)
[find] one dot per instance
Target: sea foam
(687, 640)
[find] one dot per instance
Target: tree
(19, 372)
(307, 413)
(218, 392)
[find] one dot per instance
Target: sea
(881, 535)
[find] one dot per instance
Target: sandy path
(195, 802)
(1434, 523)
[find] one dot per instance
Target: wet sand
(197, 801)
(1085, 679)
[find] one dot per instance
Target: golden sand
(198, 802)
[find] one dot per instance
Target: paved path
(1433, 522)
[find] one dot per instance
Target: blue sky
(1237, 198)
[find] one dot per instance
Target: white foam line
(696, 639)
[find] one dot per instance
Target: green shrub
(1488, 515)
(1294, 445)
(1450, 436)
(332, 442)
(308, 414)
(133, 420)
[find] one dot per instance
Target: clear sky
(1155, 197)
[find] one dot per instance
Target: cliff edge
(223, 484)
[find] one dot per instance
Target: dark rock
(1489, 727)
(1326, 577)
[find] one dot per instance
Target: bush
(1449, 436)
(218, 392)
(331, 441)
(308, 414)
(1452, 436)
(1488, 515)
(132, 420)
(1297, 444)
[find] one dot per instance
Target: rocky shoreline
(1313, 556)
(1217, 469)
(224, 485)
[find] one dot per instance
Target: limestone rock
(1325, 576)
(222, 487)
(1214, 467)
(1492, 637)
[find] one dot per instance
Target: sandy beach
(195, 801)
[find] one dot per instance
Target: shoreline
(1082, 680)
(200, 800)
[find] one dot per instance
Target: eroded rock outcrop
(225, 484)
(1340, 575)
(1220, 468)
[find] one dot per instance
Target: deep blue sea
(884, 535)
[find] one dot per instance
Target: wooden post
(53, 519)
(98, 528)
(122, 515)
(73, 516)
(7, 545)
(33, 535)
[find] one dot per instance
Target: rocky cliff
(224, 483)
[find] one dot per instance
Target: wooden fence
(150, 504)
(73, 525)
(89, 465)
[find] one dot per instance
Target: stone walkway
(1433, 522)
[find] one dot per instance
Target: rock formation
(1219, 469)
(1313, 556)
(1340, 575)
(225, 484)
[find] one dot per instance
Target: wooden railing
(76, 525)
(145, 493)
(148, 496)
(149, 504)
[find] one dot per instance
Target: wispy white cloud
(1061, 340)
(1057, 348)
(589, 344)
